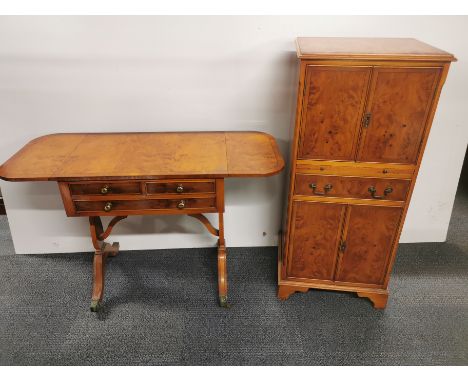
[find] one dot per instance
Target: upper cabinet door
(399, 104)
(334, 102)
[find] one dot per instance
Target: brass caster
(223, 302)
(95, 305)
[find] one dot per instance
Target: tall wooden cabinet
(364, 111)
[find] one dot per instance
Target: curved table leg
(222, 266)
(99, 265)
(102, 250)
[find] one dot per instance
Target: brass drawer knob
(105, 189)
(108, 206)
(373, 190)
(180, 188)
(181, 204)
(327, 188)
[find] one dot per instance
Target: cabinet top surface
(368, 48)
(88, 156)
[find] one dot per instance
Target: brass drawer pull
(105, 189)
(181, 204)
(373, 190)
(108, 206)
(180, 188)
(327, 188)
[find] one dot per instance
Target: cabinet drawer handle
(373, 190)
(105, 189)
(180, 188)
(327, 188)
(181, 204)
(108, 206)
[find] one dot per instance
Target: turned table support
(102, 250)
(222, 263)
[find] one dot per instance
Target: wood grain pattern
(148, 206)
(399, 104)
(369, 240)
(404, 88)
(315, 237)
(369, 49)
(334, 105)
(120, 156)
(181, 187)
(387, 170)
(349, 201)
(111, 188)
(351, 187)
(379, 300)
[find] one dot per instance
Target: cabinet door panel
(369, 239)
(333, 108)
(399, 104)
(316, 229)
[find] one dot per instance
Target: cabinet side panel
(287, 213)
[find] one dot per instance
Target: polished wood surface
(351, 187)
(315, 238)
(105, 188)
(402, 91)
(399, 102)
(369, 49)
(368, 237)
(180, 187)
(334, 104)
(381, 170)
(91, 156)
(138, 207)
(124, 174)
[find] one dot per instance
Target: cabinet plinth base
(379, 300)
(377, 297)
(285, 291)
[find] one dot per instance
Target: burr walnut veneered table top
(87, 156)
(121, 174)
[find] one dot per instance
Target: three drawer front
(351, 187)
(174, 205)
(105, 188)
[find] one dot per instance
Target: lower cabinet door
(368, 239)
(315, 234)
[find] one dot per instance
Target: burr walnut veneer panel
(364, 111)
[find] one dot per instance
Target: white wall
(75, 74)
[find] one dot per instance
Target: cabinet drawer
(105, 188)
(146, 205)
(180, 187)
(351, 187)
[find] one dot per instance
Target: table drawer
(140, 206)
(180, 187)
(351, 187)
(105, 188)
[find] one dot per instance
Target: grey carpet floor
(161, 309)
